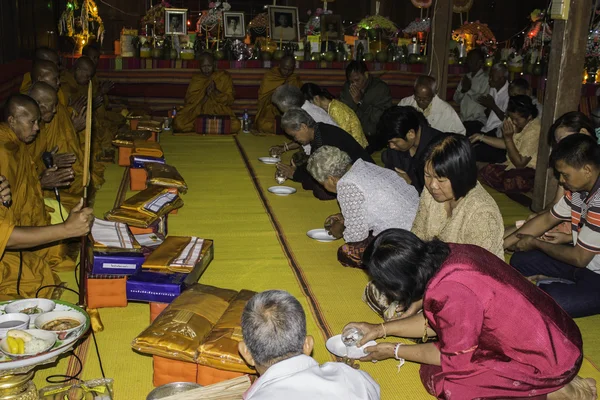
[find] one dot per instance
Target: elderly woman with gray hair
(372, 199)
(298, 124)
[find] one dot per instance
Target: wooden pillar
(563, 89)
(438, 44)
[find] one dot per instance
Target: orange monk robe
(35, 271)
(60, 133)
(111, 121)
(267, 111)
(218, 102)
(28, 205)
(26, 85)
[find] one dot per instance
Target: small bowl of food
(26, 343)
(65, 324)
(13, 321)
(31, 307)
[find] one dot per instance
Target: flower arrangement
(83, 25)
(481, 34)
(540, 31)
(259, 24)
(376, 22)
(313, 26)
(214, 16)
(592, 52)
(418, 25)
(156, 16)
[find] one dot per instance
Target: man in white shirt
(520, 86)
(276, 344)
(439, 114)
(496, 101)
(473, 85)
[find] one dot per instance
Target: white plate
(282, 190)
(337, 347)
(320, 235)
(269, 160)
(49, 337)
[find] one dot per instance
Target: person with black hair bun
(520, 139)
(498, 335)
(368, 96)
(338, 111)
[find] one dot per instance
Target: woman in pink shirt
(499, 336)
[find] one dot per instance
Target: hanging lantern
(461, 6)
(422, 3)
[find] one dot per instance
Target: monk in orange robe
(16, 240)
(275, 77)
(43, 54)
(210, 93)
(58, 137)
(16, 164)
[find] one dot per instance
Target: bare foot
(578, 389)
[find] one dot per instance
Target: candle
(218, 35)
(281, 41)
(206, 38)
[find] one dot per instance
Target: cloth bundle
(144, 148)
(220, 349)
(150, 125)
(126, 138)
(115, 235)
(180, 329)
(213, 124)
(146, 207)
(178, 254)
(165, 175)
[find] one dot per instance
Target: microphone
(49, 163)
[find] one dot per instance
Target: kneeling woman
(485, 349)
(521, 136)
(371, 198)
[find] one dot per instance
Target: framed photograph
(357, 43)
(331, 27)
(234, 24)
(176, 21)
(283, 23)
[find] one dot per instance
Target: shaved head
(48, 54)
(46, 98)
(92, 52)
(287, 66)
(22, 115)
(207, 64)
(84, 70)
(45, 71)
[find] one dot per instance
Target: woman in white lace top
(372, 199)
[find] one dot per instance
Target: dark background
(26, 24)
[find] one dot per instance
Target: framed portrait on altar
(332, 27)
(283, 23)
(176, 21)
(234, 24)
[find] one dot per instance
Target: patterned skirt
(518, 180)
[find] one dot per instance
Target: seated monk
(75, 84)
(15, 240)
(210, 93)
(275, 77)
(43, 54)
(110, 120)
(21, 128)
(58, 136)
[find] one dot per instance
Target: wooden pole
(86, 180)
(563, 89)
(439, 39)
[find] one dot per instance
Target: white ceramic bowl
(282, 190)
(19, 306)
(320, 235)
(53, 315)
(21, 321)
(336, 347)
(49, 337)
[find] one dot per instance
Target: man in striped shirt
(567, 267)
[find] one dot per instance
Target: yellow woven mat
(222, 204)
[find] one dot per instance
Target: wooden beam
(438, 44)
(563, 89)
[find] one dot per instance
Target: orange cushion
(124, 156)
(209, 375)
(106, 292)
(133, 124)
(168, 371)
(156, 309)
(137, 179)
